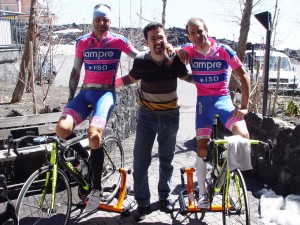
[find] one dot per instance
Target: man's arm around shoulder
(125, 80)
(188, 78)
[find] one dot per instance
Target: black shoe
(166, 205)
(142, 212)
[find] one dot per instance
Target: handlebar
(267, 146)
(252, 142)
(14, 144)
(62, 144)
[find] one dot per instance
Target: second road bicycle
(226, 189)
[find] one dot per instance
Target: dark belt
(98, 87)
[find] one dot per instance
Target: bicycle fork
(228, 202)
(53, 162)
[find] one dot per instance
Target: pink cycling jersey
(101, 58)
(211, 70)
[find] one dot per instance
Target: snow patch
(277, 210)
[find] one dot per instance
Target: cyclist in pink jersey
(100, 52)
(211, 64)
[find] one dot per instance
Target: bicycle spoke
(113, 161)
(235, 200)
(34, 201)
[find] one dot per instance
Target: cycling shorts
(207, 107)
(103, 103)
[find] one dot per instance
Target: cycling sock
(97, 159)
(78, 147)
(201, 174)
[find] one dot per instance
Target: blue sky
(218, 15)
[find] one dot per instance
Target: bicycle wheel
(113, 161)
(235, 200)
(30, 207)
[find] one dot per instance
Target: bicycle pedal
(80, 205)
(131, 193)
(103, 199)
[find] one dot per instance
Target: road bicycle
(10, 212)
(46, 196)
(226, 189)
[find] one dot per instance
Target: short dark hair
(195, 21)
(151, 26)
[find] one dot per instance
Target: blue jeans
(149, 124)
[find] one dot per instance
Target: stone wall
(123, 119)
(282, 169)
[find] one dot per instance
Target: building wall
(12, 5)
(5, 32)
(18, 6)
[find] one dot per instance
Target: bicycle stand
(118, 207)
(188, 196)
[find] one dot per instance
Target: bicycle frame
(219, 176)
(190, 192)
(55, 162)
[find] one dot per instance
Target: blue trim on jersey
(100, 67)
(210, 79)
(230, 52)
(82, 37)
(187, 44)
(120, 36)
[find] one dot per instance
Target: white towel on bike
(238, 153)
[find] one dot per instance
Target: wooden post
(277, 85)
(32, 77)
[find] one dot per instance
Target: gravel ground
(55, 100)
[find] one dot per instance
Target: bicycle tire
(239, 212)
(113, 161)
(27, 207)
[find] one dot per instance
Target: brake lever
(267, 146)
